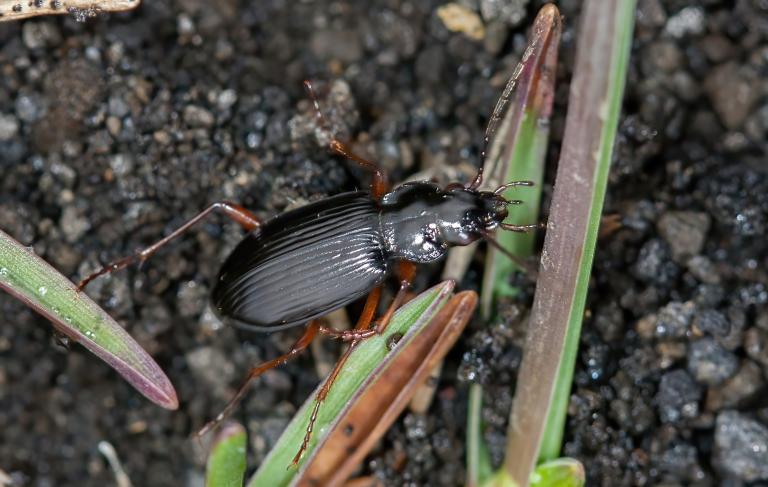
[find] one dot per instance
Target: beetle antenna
(520, 228)
(498, 110)
(522, 264)
(321, 120)
(512, 184)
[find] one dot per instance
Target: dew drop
(3, 271)
(42, 290)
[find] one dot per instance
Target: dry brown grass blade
(595, 98)
(22, 9)
(374, 411)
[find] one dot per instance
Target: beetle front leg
(237, 213)
(379, 185)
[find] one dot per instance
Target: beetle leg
(321, 395)
(477, 181)
(362, 326)
(406, 272)
(301, 344)
(379, 185)
(361, 330)
(235, 212)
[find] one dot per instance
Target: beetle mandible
(303, 264)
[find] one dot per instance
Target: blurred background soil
(115, 130)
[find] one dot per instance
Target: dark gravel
(114, 130)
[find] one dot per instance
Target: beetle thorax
(421, 221)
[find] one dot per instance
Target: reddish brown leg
(379, 185)
(406, 271)
(301, 344)
(361, 330)
(477, 181)
(235, 212)
(363, 324)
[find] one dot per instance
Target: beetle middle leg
(406, 272)
(363, 325)
(237, 213)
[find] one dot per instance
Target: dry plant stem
(371, 414)
(22, 9)
(579, 191)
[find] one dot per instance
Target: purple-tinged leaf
(41, 287)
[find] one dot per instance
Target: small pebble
(40, 34)
(688, 21)
(458, 18)
(731, 89)
(198, 117)
(678, 397)
(73, 224)
(510, 12)
(684, 232)
(741, 446)
(710, 363)
(712, 322)
(737, 390)
(674, 319)
(756, 345)
(703, 269)
(9, 127)
(212, 367)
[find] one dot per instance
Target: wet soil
(114, 130)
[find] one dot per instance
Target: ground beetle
(305, 263)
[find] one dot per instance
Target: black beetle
(306, 263)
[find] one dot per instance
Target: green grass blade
(479, 468)
(563, 472)
(549, 356)
(518, 152)
(276, 470)
(41, 287)
(226, 463)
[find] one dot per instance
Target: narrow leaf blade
(563, 472)
(518, 152)
(226, 463)
(41, 287)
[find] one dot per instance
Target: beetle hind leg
(301, 344)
